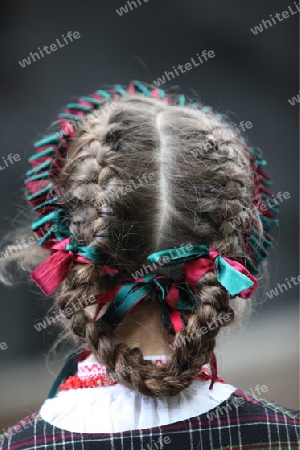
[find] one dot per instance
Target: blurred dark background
(252, 76)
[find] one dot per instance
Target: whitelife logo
(53, 48)
(124, 9)
(294, 100)
(267, 23)
(187, 66)
(11, 158)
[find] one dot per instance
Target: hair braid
(194, 349)
(212, 184)
(207, 187)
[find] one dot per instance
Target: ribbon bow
(51, 273)
(177, 299)
(232, 275)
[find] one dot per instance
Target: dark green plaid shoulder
(242, 422)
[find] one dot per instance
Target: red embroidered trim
(94, 369)
(87, 371)
(204, 374)
(74, 382)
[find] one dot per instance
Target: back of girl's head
(143, 175)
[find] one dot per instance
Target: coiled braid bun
(141, 177)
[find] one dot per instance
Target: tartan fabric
(242, 422)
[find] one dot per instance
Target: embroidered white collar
(114, 409)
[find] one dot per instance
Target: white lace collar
(114, 409)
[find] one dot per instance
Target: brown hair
(199, 189)
(201, 182)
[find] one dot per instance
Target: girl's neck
(143, 328)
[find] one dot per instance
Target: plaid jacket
(242, 422)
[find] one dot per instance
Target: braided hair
(139, 175)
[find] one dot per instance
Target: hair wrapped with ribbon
(55, 236)
(177, 297)
(99, 226)
(51, 151)
(52, 272)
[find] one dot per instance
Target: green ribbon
(178, 255)
(228, 276)
(131, 293)
(233, 281)
(87, 252)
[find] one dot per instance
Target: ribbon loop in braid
(52, 272)
(232, 275)
(176, 298)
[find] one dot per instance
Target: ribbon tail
(231, 278)
(102, 299)
(123, 302)
(52, 272)
(176, 321)
(194, 270)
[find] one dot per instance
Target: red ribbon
(194, 270)
(171, 299)
(52, 272)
